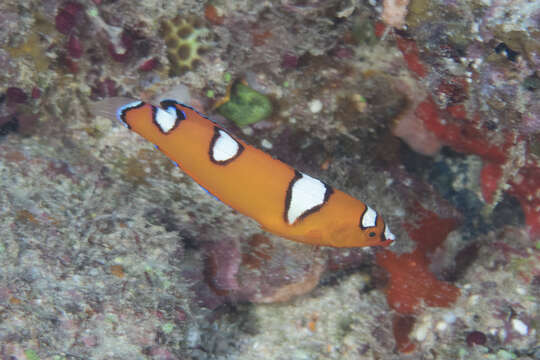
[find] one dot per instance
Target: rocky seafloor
(427, 110)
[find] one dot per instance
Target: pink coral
(74, 47)
(394, 12)
(257, 271)
(122, 53)
(222, 266)
(68, 16)
(410, 127)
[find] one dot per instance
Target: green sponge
(246, 106)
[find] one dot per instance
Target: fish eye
(372, 234)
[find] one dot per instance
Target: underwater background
(428, 110)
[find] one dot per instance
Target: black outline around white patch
(288, 199)
(168, 104)
(123, 110)
(158, 125)
(215, 138)
(362, 219)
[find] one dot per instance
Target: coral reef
(394, 12)
(426, 109)
(412, 284)
(184, 38)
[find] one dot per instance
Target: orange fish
(282, 200)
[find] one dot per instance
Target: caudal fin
(108, 108)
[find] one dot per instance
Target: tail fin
(108, 108)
